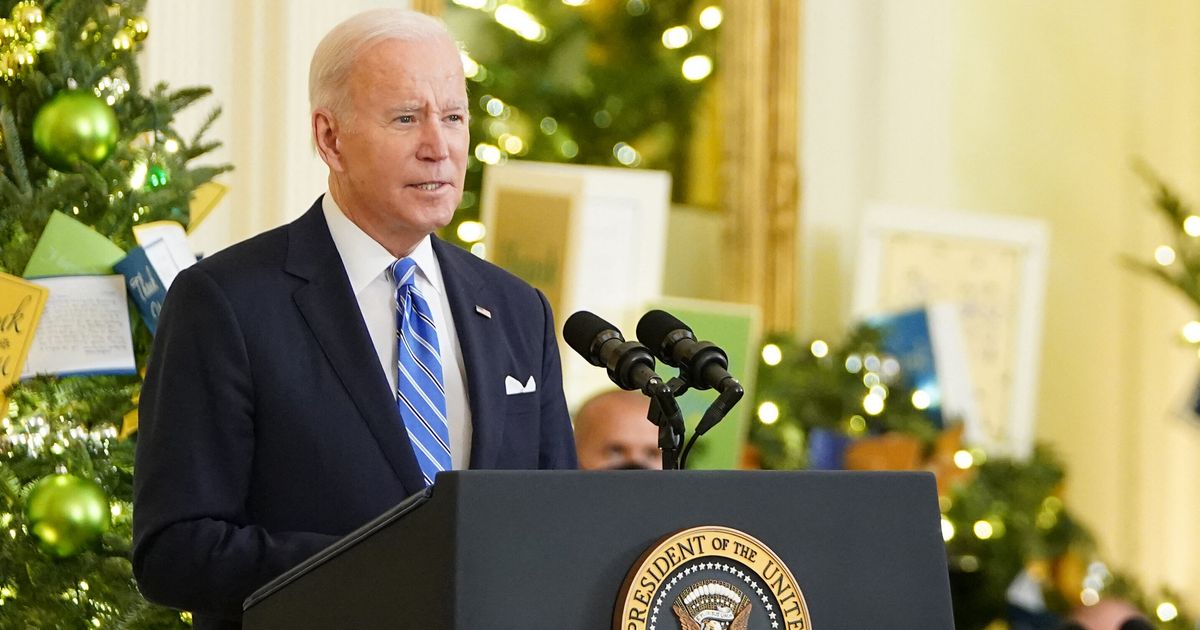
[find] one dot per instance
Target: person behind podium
(612, 433)
(308, 379)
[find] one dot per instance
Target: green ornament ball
(66, 514)
(74, 126)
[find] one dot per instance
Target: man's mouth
(430, 185)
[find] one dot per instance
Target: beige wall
(1035, 109)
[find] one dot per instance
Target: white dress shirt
(366, 263)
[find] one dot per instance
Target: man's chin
(434, 217)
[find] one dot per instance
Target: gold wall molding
(761, 162)
(430, 7)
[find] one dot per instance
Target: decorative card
(145, 285)
(68, 247)
(931, 348)
(167, 248)
(735, 328)
(84, 328)
(204, 200)
(21, 305)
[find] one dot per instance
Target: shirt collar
(365, 259)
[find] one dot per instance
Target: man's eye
(406, 119)
(456, 118)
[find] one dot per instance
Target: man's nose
(433, 143)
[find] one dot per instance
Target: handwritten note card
(84, 329)
(21, 305)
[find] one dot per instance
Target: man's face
(402, 150)
(619, 436)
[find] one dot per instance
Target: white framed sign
(589, 237)
(994, 269)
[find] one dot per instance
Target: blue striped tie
(420, 394)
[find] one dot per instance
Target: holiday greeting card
(68, 247)
(21, 305)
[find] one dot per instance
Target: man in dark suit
(278, 412)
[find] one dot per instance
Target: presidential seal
(710, 578)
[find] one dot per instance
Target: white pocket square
(513, 386)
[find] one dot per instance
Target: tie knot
(404, 271)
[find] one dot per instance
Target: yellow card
(205, 197)
(21, 305)
(129, 425)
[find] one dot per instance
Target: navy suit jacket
(268, 429)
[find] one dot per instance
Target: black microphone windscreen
(654, 327)
(581, 329)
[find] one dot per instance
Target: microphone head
(581, 330)
(654, 331)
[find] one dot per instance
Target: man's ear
(327, 138)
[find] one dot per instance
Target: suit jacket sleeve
(557, 448)
(193, 545)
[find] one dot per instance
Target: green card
(70, 248)
(733, 327)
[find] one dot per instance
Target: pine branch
(9, 191)
(12, 149)
(197, 150)
(10, 484)
(205, 126)
(182, 98)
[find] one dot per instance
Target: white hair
(337, 52)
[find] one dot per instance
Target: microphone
(701, 363)
(630, 365)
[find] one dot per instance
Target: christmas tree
(83, 147)
(1003, 519)
(599, 82)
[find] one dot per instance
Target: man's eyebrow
(408, 108)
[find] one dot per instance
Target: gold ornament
(8, 67)
(8, 31)
(123, 40)
(140, 27)
(23, 56)
(28, 13)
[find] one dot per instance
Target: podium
(553, 550)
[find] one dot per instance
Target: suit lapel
(465, 292)
(331, 311)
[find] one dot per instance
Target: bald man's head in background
(612, 432)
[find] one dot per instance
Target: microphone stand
(664, 412)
